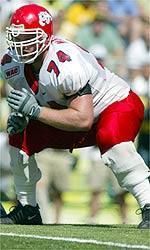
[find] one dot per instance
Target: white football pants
(26, 174)
(130, 170)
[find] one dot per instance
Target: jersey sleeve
(6, 59)
(76, 78)
(7, 68)
(10, 71)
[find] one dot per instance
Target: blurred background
(77, 187)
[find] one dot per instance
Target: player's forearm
(66, 119)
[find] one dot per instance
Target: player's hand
(24, 102)
(16, 123)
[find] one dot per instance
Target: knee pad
(127, 165)
(24, 168)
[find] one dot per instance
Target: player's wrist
(36, 113)
(40, 113)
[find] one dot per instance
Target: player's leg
(96, 181)
(26, 174)
(36, 137)
(61, 181)
(117, 128)
(132, 174)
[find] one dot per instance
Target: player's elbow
(87, 124)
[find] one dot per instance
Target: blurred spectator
(138, 51)
(55, 166)
(101, 180)
(7, 192)
(146, 31)
(135, 53)
(55, 6)
(138, 48)
(135, 29)
(122, 9)
(144, 7)
(101, 32)
(140, 79)
(96, 182)
(69, 20)
(62, 27)
(130, 30)
(81, 12)
(122, 14)
(103, 9)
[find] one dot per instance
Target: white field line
(83, 241)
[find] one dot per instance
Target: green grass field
(70, 237)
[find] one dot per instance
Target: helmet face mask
(29, 33)
(27, 44)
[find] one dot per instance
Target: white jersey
(66, 69)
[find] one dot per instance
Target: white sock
(141, 192)
(27, 198)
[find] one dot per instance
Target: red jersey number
(52, 66)
(62, 57)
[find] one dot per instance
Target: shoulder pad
(6, 59)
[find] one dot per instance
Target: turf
(24, 237)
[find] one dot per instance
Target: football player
(62, 98)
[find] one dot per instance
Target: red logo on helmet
(44, 18)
